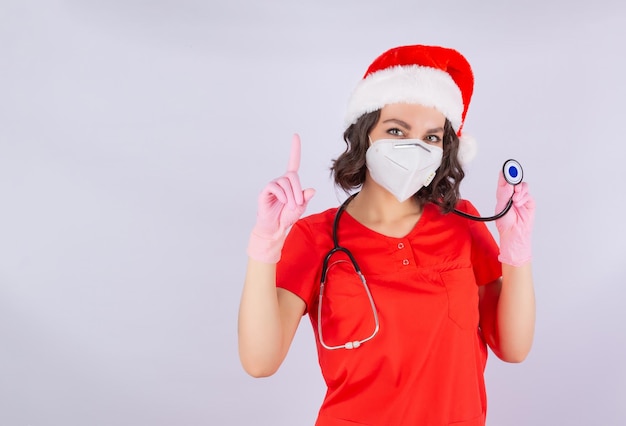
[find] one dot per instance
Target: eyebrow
(408, 127)
(400, 122)
(436, 130)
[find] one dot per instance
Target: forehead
(413, 114)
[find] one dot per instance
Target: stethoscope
(513, 174)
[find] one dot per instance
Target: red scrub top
(425, 366)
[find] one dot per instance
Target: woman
(407, 311)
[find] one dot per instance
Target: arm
(268, 319)
(507, 305)
(507, 313)
(269, 316)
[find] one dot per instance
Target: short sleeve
(300, 263)
(485, 250)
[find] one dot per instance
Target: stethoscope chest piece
(513, 172)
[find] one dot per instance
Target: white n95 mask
(403, 166)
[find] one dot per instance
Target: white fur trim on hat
(412, 84)
(467, 149)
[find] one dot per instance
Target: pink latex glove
(516, 226)
(281, 203)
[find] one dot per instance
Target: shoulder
(307, 240)
(313, 229)
(322, 216)
(463, 205)
(318, 221)
(441, 223)
(478, 229)
(466, 206)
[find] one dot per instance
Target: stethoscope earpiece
(513, 172)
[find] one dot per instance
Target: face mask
(403, 166)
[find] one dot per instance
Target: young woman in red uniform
(403, 293)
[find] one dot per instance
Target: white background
(136, 135)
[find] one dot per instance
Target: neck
(374, 204)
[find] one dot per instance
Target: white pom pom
(467, 149)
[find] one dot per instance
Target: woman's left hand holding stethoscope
(515, 214)
(515, 227)
(280, 205)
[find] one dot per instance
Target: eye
(432, 139)
(395, 132)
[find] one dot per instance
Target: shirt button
(405, 262)
(400, 246)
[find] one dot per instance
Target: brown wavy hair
(349, 168)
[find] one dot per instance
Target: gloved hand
(515, 227)
(281, 203)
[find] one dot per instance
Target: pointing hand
(280, 205)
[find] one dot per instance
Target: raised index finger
(294, 156)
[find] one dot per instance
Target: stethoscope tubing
(504, 211)
(513, 176)
(336, 249)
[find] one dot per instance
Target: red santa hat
(433, 76)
